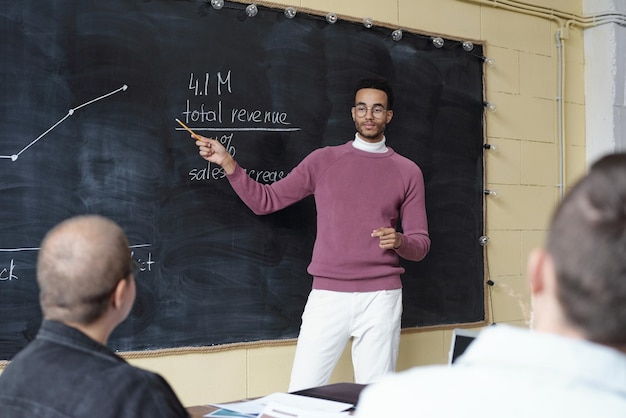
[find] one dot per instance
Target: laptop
(340, 392)
(461, 339)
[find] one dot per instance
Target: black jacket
(63, 373)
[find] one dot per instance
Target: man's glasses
(378, 111)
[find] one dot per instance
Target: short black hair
(587, 242)
(378, 83)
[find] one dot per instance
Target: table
(341, 392)
(200, 410)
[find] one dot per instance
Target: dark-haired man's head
(579, 282)
(372, 110)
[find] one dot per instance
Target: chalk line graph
(70, 112)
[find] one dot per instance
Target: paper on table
(226, 413)
(306, 403)
(278, 410)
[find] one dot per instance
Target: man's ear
(120, 293)
(389, 115)
(541, 272)
(535, 270)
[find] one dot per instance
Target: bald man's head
(80, 262)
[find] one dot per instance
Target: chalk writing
(203, 89)
(214, 112)
(144, 265)
(202, 114)
(215, 172)
(265, 176)
(258, 116)
(7, 274)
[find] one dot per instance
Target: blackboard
(90, 93)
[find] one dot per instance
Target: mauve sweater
(355, 192)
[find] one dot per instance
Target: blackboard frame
(115, 74)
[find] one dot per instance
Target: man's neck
(377, 147)
(98, 331)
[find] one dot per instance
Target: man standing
(87, 288)
(573, 362)
(363, 190)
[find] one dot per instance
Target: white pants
(330, 319)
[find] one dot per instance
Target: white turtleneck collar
(378, 147)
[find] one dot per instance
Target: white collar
(378, 147)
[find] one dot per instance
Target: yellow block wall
(524, 169)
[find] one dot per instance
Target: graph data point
(13, 157)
